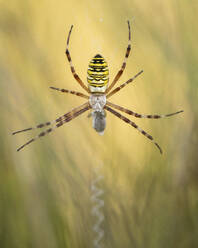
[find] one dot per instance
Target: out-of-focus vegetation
(150, 200)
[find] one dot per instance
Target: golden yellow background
(150, 200)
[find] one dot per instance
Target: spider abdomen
(98, 74)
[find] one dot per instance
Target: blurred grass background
(150, 200)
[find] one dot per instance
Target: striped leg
(129, 112)
(60, 121)
(123, 85)
(70, 92)
(71, 65)
(124, 63)
(133, 125)
(52, 122)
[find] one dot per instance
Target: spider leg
(71, 65)
(67, 117)
(129, 112)
(118, 75)
(70, 92)
(123, 85)
(41, 125)
(133, 125)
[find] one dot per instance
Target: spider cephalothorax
(97, 103)
(99, 92)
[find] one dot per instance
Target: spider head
(97, 74)
(99, 121)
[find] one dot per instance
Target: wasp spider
(99, 92)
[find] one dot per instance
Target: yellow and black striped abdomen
(98, 74)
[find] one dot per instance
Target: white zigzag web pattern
(98, 204)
